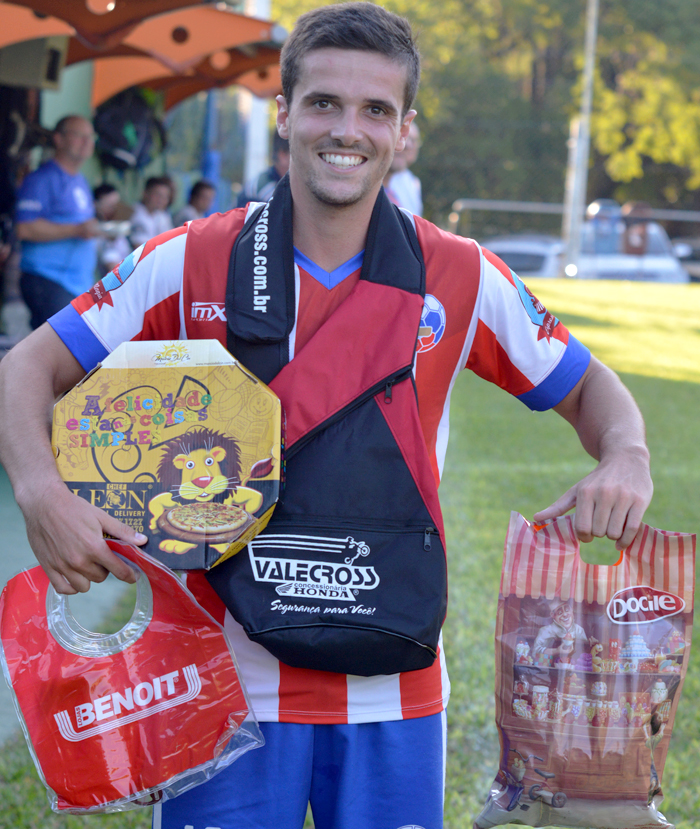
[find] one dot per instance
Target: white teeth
(342, 160)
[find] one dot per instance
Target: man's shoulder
(44, 173)
(435, 239)
(231, 219)
(405, 176)
(187, 213)
(139, 211)
(213, 236)
(268, 175)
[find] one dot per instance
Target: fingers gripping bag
(122, 720)
(590, 661)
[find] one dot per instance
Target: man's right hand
(66, 534)
(89, 229)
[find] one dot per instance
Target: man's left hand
(610, 501)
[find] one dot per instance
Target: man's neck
(68, 164)
(328, 235)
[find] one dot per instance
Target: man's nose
(346, 127)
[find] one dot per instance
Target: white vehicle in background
(529, 254)
(613, 246)
(618, 246)
(688, 251)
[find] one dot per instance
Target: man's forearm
(27, 394)
(611, 500)
(42, 230)
(65, 532)
(605, 415)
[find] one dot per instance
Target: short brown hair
(362, 26)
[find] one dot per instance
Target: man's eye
(377, 110)
(323, 104)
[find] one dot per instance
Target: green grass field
(503, 458)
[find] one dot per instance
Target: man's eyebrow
(329, 96)
(378, 102)
(314, 96)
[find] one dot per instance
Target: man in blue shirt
(55, 222)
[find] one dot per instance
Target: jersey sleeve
(519, 345)
(138, 300)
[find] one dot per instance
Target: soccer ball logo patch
(432, 324)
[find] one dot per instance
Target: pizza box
(179, 441)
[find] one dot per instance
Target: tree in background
(501, 81)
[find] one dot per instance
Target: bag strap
(260, 295)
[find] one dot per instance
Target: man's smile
(344, 161)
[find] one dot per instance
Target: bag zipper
(370, 524)
(385, 385)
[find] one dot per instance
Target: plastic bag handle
(538, 527)
(72, 636)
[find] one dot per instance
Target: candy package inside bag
(117, 721)
(590, 662)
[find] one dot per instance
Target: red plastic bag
(590, 662)
(122, 720)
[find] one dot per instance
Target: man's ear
(403, 132)
(282, 117)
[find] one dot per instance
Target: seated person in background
(150, 216)
(201, 199)
(113, 215)
(402, 187)
(261, 188)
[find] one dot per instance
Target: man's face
(203, 200)
(156, 198)
(344, 124)
(106, 206)
(409, 154)
(564, 616)
(76, 143)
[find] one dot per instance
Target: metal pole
(577, 184)
(258, 125)
(211, 155)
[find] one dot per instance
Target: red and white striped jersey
(477, 315)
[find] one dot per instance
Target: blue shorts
(386, 775)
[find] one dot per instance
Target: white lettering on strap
(261, 299)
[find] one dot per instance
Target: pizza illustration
(201, 522)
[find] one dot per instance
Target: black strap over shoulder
(260, 294)
(260, 290)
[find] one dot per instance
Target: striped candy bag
(590, 662)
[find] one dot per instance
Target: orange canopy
(102, 23)
(18, 24)
(258, 66)
(265, 82)
(182, 39)
(193, 48)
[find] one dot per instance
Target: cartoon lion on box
(200, 467)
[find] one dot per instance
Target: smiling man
(360, 317)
